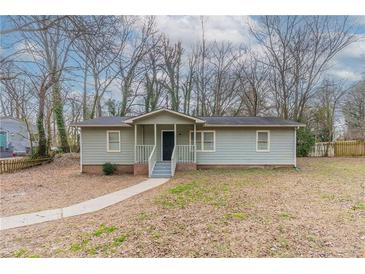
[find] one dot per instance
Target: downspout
(80, 149)
(295, 146)
(195, 143)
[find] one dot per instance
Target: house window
(205, 140)
(262, 141)
(113, 140)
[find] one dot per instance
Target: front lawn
(315, 211)
(53, 185)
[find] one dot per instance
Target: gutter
(289, 126)
(118, 125)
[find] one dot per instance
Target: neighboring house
(159, 142)
(14, 137)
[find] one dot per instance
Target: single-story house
(14, 137)
(160, 142)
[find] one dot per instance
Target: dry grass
(317, 211)
(53, 185)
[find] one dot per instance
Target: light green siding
(94, 150)
(233, 145)
(238, 146)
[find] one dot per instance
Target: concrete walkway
(80, 208)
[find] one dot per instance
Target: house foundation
(140, 169)
(186, 166)
(98, 169)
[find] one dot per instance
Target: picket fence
(12, 165)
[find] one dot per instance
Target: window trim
(268, 141)
(107, 140)
(202, 140)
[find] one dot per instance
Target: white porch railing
(185, 153)
(152, 161)
(173, 162)
(143, 152)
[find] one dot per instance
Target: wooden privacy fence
(338, 149)
(11, 165)
(350, 148)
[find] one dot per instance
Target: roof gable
(165, 111)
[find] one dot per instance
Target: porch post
(155, 131)
(194, 143)
(135, 143)
(174, 134)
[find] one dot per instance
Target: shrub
(305, 142)
(109, 168)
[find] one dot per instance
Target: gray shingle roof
(249, 121)
(214, 121)
(103, 121)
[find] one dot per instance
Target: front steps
(162, 169)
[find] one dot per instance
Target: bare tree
(44, 85)
(99, 48)
(187, 84)
(17, 100)
(324, 112)
(36, 24)
(201, 76)
(298, 51)
(253, 87)
(51, 47)
(171, 66)
(61, 69)
(223, 81)
(354, 111)
(153, 79)
(130, 66)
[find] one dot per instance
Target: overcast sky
(348, 65)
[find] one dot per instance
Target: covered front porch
(161, 149)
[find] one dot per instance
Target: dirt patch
(56, 184)
(316, 211)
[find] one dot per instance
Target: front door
(167, 145)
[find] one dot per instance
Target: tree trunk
(58, 111)
(49, 129)
(84, 97)
(42, 141)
